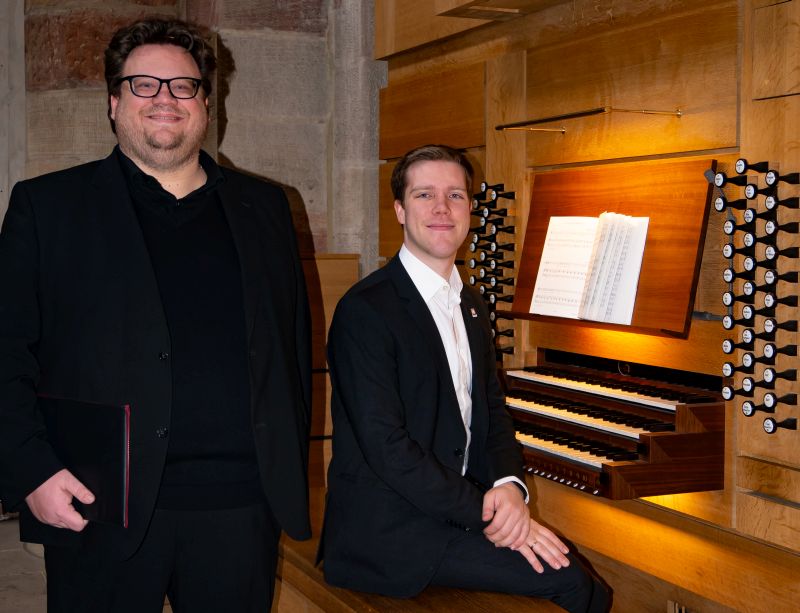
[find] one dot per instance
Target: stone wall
(296, 100)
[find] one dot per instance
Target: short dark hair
(429, 153)
(157, 31)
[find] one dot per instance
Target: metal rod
(578, 114)
(529, 129)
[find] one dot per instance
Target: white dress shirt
(443, 299)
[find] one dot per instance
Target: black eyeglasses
(145, 86)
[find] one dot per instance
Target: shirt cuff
(516, 482)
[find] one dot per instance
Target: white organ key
(575, 418)
(593, 388)
(562, 451)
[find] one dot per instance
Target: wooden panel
(775, 61)
(390, 232)
(496, 10)
(673, 194)
(768, 479)
(769, 520)
(687, 553)
(639, 592)
(687, 61)
(446, 107)
(700, 352)
(404, 24)
(328, 277)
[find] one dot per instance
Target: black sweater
(211, 459)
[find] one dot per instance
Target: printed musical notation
(590, 267)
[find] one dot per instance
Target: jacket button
(459, 453)
(163, 355)
(162, 432)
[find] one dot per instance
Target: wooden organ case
(615, 428)
(731, 67)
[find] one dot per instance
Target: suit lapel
(240, 216)
(421, 315)
(477, 346)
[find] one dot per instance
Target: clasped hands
(511, 526)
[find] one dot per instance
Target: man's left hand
(505, 506)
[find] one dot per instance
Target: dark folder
(93, 442)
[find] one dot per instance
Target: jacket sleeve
(362, 354)
(26, 458)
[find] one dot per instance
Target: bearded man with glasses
(159, 280)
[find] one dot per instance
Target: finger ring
(533, 544)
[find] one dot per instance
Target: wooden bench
(298, 575)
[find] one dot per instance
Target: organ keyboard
(617, 436)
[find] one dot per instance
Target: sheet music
(568, 248)
(590, 267)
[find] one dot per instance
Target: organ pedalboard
(762, 277)
(644, 433)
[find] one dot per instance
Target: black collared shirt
(211, 458)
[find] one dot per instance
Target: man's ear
(400, 211)
(113, 101)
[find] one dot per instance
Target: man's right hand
(51, 502)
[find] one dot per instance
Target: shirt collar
(425, 279)
(140, 180)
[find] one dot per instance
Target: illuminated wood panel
(445, 107)
(673, 194)
(686, 61)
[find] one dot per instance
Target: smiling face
(161, 133)
(435, 213)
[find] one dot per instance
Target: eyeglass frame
(197, 82)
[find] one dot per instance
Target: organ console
(585, 426)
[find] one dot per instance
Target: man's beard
(160, 151)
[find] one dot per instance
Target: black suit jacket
(81, 317)
(396, 495)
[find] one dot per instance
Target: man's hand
(51, 502)
(505, 506)
(543, 543)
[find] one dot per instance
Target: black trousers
(219, 560)
(471, 561)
